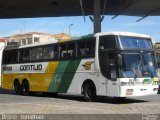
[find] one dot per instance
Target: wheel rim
(16, 87)
(90, 92)
(25, 89)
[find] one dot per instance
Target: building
(30, 38)
(157, 45)
(2, 42)
(61, 36)
(36, 37)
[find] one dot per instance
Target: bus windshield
(135, 42)
(138, 65)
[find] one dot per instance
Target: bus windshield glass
(138, 65)
(135, 42)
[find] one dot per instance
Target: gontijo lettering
(37, 67)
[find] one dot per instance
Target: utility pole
(70, 29)
(97, 16)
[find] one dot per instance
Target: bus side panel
(7, 81)
(41, 81)
(38, 82)
(63, 76)
(85, 70)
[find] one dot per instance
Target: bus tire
(89, 92)
(17, 88)
(25, 88)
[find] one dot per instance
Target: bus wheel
(89, 92)
(25, 88)
(17, 88)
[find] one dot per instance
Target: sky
(54, 25)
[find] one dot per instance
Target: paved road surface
(69, 104)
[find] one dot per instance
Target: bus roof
(112, 33)
(123, 34)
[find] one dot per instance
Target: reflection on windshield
(129, 62)
(137, 65)
(148, 61)
(133, 42)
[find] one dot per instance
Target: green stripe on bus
(68, 76)
(63, 76)
(56, 79)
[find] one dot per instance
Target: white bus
(1, 51)
(116, 64)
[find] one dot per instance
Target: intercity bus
(158, 63)
(157, 47)
(115, 64)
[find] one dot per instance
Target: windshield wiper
(136, 70)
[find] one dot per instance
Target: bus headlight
(155, 89)
(156, 81)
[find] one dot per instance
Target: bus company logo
(87, 65)
(37, 67)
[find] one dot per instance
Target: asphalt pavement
(70, 107)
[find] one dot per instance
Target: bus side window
(51, 53)
(36, 53)
(10, 57)
(90, 48)
(45, 53)
(107, 42)
(86, 48)
(33, 54)
(56, 52)
(111, 67)
(71, 50)
(39, 53)
(27, 55)
(5, 57)
(63, 51)
(24, 55)
(48, 52)
(81, 49)
(14, 56)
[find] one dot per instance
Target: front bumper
(131, 91)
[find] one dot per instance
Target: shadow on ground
(100, 99)
(2, 91)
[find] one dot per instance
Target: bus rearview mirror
(119, 56)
